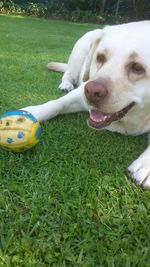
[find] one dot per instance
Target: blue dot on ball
(9, 140)
(38, 133)
(20, 135)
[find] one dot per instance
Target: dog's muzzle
(95, 93)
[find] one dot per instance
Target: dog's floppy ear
(88, 60)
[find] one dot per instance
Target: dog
(110, 69)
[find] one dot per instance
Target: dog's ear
(88, 60)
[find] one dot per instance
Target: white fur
(122, 45)
(57, 66)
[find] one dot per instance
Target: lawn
(69, 201)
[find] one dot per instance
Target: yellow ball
(19, 131)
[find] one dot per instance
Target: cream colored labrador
(111, 69)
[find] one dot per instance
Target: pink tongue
(97, 116)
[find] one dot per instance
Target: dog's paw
(139, 170)
(66, 86)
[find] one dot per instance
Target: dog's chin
(99, 120)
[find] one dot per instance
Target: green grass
(68, 202)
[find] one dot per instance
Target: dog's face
(119, 70)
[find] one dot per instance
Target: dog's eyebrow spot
(133, 56)
(106, 52)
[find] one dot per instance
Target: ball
(19, 131)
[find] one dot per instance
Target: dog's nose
(95, 92)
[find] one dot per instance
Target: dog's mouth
(98, 119)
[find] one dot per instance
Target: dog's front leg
(140, 168)
(72, 102)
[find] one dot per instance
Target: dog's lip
(98, 119)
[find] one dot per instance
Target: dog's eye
(101, 59)
(137, 68)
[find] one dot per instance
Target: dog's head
(117, 71)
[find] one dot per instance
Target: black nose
(95, 92)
